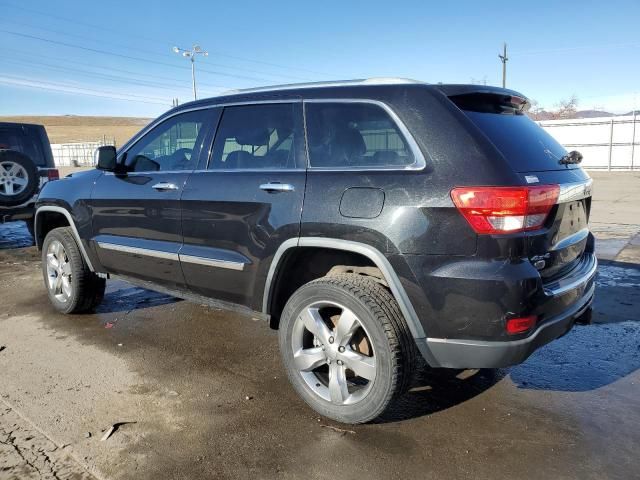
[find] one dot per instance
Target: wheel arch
(48, 217)
(367, 251)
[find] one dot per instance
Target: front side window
(172, 145)
(354, 135)
(257, 137)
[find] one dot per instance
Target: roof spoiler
(464, 96)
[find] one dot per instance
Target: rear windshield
(25, 140)
(522, 141)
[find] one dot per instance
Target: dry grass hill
(71, 128)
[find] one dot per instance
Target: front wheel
(71, 285)
(346, 347)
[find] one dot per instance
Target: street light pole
(504, 59)
(191, 55)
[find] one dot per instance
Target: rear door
(539, 160)
(136, 215)
(247, 200)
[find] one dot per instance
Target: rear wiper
(572, 157)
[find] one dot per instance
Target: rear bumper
(17, 213)
(575, 293)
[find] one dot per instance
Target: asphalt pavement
(192, 392)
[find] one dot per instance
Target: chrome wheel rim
(333, 353)
(59, 278)
(13, 178)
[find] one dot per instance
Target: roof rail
(334, 83)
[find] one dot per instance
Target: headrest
(253, 136)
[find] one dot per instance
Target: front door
(247, 202)
(136, 215)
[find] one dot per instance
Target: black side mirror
(105, 158)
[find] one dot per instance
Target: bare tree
(566, 108)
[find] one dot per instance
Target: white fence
(76, 154)
(608, 143)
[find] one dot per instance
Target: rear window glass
(354, 135)
(25, 140)
(523, 142)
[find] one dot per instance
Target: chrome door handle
(165, 186)
(275, 187)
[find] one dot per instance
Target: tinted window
(354, 135)
(256, 137)
(172, 145)
(523, 142)
(24, 140)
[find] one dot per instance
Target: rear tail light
(53, 174)
(520, 325)
(491, 210)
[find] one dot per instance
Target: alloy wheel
(333, 353)
(13, 178)
(59, 272)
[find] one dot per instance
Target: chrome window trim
(138, 251)
(570, 192)
(419, 162)
(211, 262)
(167, 116)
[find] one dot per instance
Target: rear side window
(354, 135)
(25, 140)
(265, 136)
(525, 145)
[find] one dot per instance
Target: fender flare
(380, 261)
(72, 224)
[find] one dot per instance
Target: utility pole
(503, 58)
(191, 55)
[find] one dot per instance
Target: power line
(73, 90)
(118, 69)
(128, 57)
(156, 40)
(148, 51)
(102, 76)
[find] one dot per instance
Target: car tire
(382, 340)
(19, 179)
(72, 287)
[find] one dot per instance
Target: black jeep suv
(369, 221)
(26, 164)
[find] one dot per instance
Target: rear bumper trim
(579, 277)
(456, 353)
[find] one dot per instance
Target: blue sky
(557, 49)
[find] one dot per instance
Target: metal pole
(633, 139)
(503, 58)
(610, 145)
(193, 76)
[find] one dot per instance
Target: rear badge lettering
(531, 179)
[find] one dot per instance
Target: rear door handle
(165, 186)
(275, 187)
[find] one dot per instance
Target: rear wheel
(346, 347)
(71, 285)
